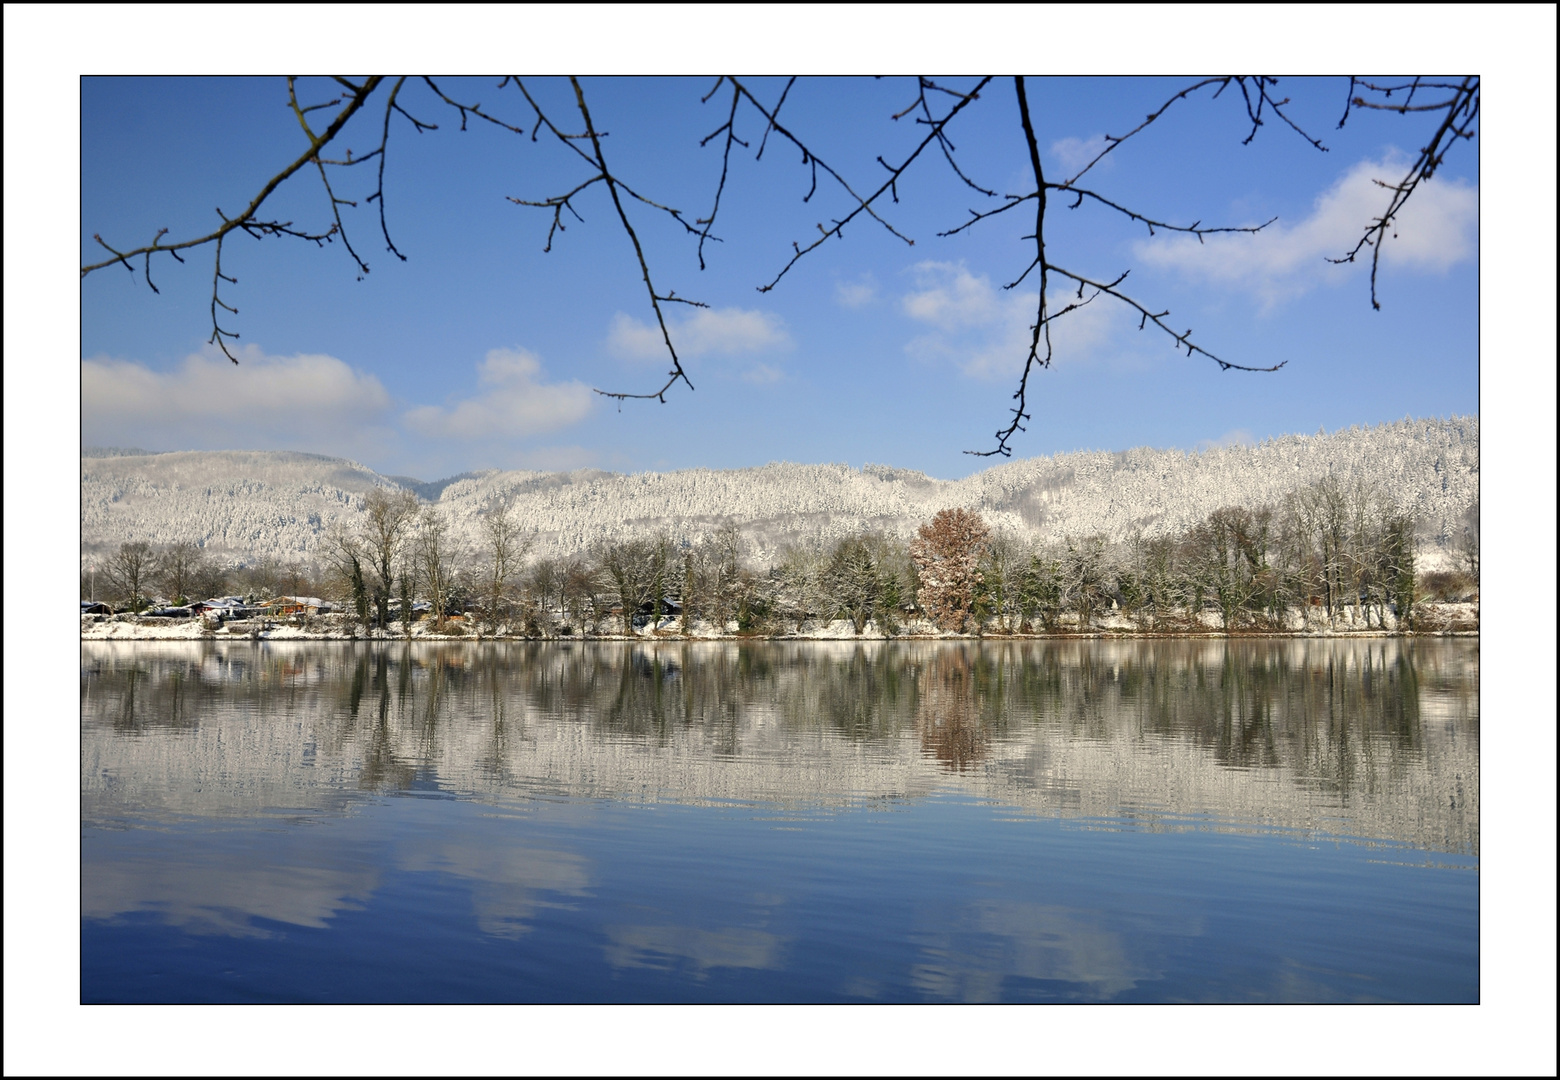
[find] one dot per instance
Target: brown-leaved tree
(948, 553)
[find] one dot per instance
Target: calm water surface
(1059, 821)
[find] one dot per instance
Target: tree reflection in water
(948, 710)
(1375, 737)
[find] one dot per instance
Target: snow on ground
(1433, 618)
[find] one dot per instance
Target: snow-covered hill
(245, 505)
(239, 504)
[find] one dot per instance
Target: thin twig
(335, 203)
(247, 219)
(1042, 324)
(384, 141)
(730, 128)
(677, 371)
(229, 224)
(862, 205)
(1461, 110)
(1041, 329)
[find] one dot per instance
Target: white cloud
(762, 374)
(949, 297)
(703, 332)
(1435, 231)
(632, 339)
(987, 332)
(307, 401)
(514, 403)
(1074, 153)
(858, 293)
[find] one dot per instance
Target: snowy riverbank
(1431, 618)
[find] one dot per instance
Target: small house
(222, 608)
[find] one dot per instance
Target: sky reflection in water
(1284, 820)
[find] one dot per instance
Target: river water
(1167, 820)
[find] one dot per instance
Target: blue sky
(480, 350)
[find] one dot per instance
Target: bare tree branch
(602, 174)
(248, 215)
(1112, 141)
(569, 140)
(335, 203)
(943, 143)
(1041, 329)
(770, 126)
(729, 127)
(677, 371)
(1042, 326)
(1352, 101)
(862, 205)
(1182, 340)
(474, 109)
(384, 141)
(1457, 101)
(1461, 109)
(1261, 83)
(247, 219)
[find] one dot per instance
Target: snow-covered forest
(246, 508)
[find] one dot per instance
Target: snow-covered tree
(636, 571)
(1004, 563)
(1086, 580)
(850, 581)
(799, 590)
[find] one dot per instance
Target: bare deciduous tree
(185, 573)
(721, 557)
(1451, 104)
(129, 570)
(637, 571)
(295, 578)
(387, 519)
(347, 557)
(505, 549)
(1468, 541)
(544, 587)
(583, 595)
(438, 561)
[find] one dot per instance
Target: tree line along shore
(1333, 557)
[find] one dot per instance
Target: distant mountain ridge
(247, 505)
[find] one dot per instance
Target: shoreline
(1462, 622)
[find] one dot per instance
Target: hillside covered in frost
(248, 505)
